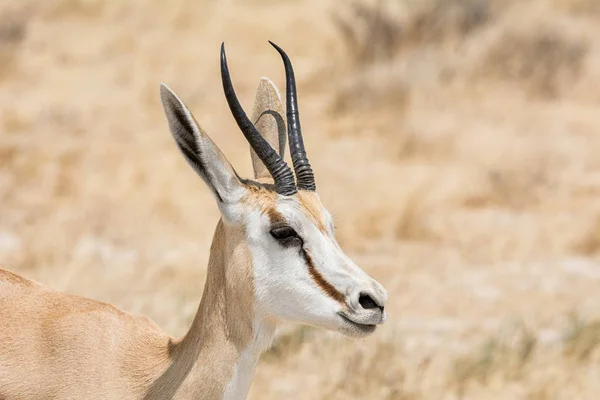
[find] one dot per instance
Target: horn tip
(223, 56)
(276, 47)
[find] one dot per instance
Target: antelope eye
(283, 233)
(286, 236)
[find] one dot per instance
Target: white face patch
(311, 281)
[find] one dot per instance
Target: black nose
(368, 303)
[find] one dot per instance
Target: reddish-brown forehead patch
(311, 203)
(266, 200)
(275, 216)
(260, 197)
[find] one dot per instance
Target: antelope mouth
(356, 326)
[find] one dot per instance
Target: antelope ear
(200, 151)
(268, 116)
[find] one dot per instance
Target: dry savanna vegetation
(457, 143)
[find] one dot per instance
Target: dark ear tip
(164, 88)
(166, 94)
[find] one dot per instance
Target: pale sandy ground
(461, 161)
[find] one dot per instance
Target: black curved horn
(305, 178)
(281, 173)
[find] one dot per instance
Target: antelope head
(295, 268)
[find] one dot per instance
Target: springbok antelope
(274, 257)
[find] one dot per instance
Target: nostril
(368, 303)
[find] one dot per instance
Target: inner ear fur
(268, 116)
(200, 151)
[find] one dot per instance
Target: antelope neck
(217, 356)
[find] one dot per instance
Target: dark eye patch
(286, 235)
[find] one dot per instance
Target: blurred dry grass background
(457, 143)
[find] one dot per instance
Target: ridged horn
(305, 178)
(281, 173)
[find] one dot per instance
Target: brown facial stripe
(276, 217)
(320, 280)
